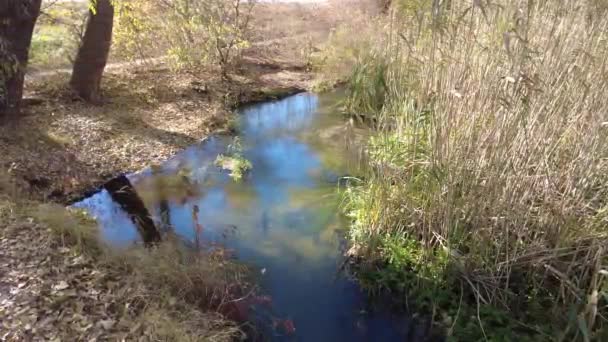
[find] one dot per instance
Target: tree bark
(17, 21)
(93, 52)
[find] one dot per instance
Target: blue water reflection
(283, 217)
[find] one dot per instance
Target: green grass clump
(367, 86)
(234, 161)
(487, 186)
(237, 165)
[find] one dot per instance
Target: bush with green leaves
(191, 33)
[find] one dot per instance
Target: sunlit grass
(491, 147)
(57, 33)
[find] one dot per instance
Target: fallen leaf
(62, 285)
(106, 324)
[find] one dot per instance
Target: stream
(283, 217)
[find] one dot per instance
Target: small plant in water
(234, 161)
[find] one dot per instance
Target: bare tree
(93, 52)
(17, 21)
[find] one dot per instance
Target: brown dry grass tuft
(188, 288)
(493, 147)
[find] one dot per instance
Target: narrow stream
(283, 217)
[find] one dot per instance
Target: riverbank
(62, 147)
(151, 111)
(57, 281)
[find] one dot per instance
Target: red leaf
(289, 327)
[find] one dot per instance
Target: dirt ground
(61, 147)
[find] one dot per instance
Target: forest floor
(62, 147)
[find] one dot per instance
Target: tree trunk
(17, 21)
(93, 52)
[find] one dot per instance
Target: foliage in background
(191, 32)
(488, 175)
(57, 34)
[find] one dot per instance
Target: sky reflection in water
(285, 213)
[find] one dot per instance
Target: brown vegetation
(489, 168)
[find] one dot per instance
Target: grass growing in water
(234, 161)
(486, 198)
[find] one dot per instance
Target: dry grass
(165, 293)
(494, 148)
(357, 27)
(191, 290)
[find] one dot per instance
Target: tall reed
(493, 148)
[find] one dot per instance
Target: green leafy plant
(234, 161)
(191, 33)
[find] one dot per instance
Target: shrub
(191, 32)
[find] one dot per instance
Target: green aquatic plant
(234, 161)
(236, 164)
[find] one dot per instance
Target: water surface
(283, 217)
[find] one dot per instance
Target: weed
(237, 165)
(74, 227)
(234, 161)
